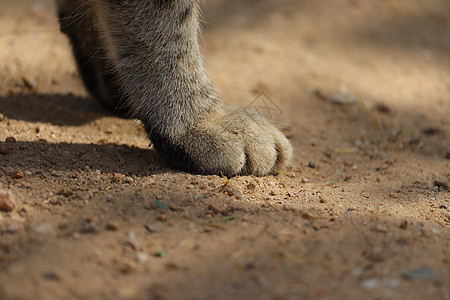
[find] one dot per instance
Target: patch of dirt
(362, 88)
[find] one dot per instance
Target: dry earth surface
(362, 89)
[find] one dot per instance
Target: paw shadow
(64, 159)
(41, 157)
(59, 110)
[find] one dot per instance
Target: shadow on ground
(60, 110)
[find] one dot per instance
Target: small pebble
(127, 269)
(112, 226)
(350, 177)
(163, 218)
(89, 228)
(312, 165)
(66, 192)
(391, 283)
(404, 225)
(154, 228)
(17, 174)
(51, 275)
(431, 131)
(132, 240)
(305, 180)
(370, 283)
(215, 209)
(380, 228)
(232, 190)
(43, 228)
(172, 266)
(4, 148)
(10, 140)
(342, 99)
(142, 257)
(441, 184)
(382, 108)
(117, 177)
(423, 273)
(245, 219)
(7, 201)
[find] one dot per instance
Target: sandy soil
(362, 88)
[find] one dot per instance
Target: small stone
(66, 192)
(90, 228)
(10, 140)
(215, 209)
(172, 266)
(404, 225)
(382, 108)
(7, 201)
(312, 165)
(370, 283)
(423, 273)
(232, 191)
(127, 269)
(117, 177)
(17, 174)
(112, 226)
(4, 148)
(29, 83)
(306, 180)
(175, 208)
(342, 99)
(349, 178)
(381, 168)
(154, 228)
(43, 228)
(393, 195)
(132, 240)
(163, 218)
(245, 219)
(431, 131)
(142, 257)
(380, 228)
(391, 283)
(448, 155)
(441, 184)
(51, 275)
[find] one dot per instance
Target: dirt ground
(362, 89)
